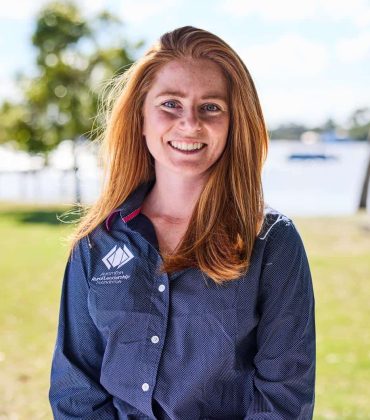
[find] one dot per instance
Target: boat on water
(311, 156)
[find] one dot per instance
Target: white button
(155, 339)
(161, 287)
(145, 386)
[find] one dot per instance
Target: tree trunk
(365, 187)
(365, 184)
(76, 172)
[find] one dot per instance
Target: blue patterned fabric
(136, 344)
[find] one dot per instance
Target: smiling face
(186, 117)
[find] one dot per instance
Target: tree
(73, 57)
(290, 131)
(360, 124)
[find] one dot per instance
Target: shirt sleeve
(75, 391)
(284, 375)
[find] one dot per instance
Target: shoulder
(284, 261)
(79, 254)
(281, 241)
(274, 221)
(279, 234)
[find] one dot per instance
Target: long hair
(229, 212)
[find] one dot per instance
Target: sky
(309, 59)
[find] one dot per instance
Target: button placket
(157, 326)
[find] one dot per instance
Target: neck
(173, 197)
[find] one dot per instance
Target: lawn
(33, 256)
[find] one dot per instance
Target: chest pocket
(120, 297)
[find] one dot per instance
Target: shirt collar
(132, 205)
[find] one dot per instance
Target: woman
(185, 297)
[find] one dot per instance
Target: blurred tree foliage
(289, 131)
(358, 127)
(360, 124)
(74, 56)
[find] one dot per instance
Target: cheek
(157, 122)
(165, 119)
(220, 129)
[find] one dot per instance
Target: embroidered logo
(117, 257)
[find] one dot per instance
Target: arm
(284, 379)
(75, 391)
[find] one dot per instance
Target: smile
(186, 146)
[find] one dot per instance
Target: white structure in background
(310, 137)
(23, 178)
(15, 160)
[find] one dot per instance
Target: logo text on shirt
(110, 277)
(117, 257)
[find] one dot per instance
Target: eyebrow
(178, 93)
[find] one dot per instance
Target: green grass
(33, 257)
(339, 254)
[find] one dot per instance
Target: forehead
(187, 73)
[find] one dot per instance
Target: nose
(190, 121)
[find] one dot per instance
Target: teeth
(186, 146)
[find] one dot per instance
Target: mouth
(187, 148)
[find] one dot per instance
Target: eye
(211, 108)
(169, 104)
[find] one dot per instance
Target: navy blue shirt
(134, 343)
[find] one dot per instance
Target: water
(294, 187)
(315, 187)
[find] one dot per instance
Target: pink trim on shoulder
(131, 215)
(109, 219)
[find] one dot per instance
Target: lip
(187, 152)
